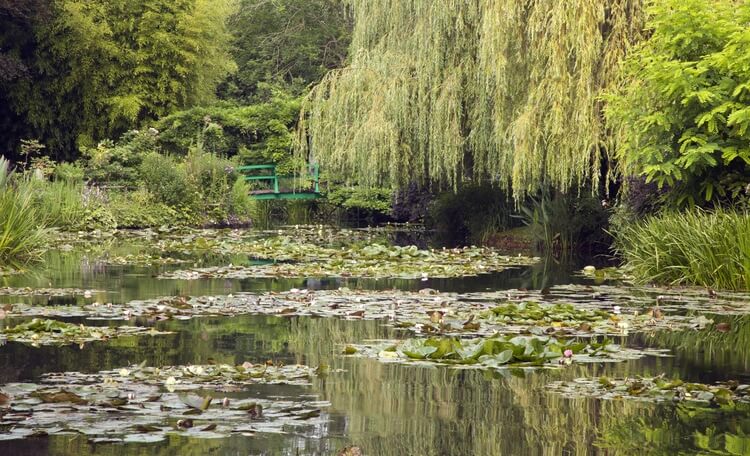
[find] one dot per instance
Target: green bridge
(265, 176)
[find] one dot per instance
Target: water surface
(386, 409)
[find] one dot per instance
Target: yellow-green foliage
(501, 89)
(681, 116)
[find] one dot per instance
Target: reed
(710, 249)
(22, 234)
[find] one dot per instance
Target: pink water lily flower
(568, 353)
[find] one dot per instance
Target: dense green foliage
(693, 247)
(291, 43)
(259, 134)
(361, 202)
(681, 117)
(94, 69)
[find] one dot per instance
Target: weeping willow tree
(438, 91)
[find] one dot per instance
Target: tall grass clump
(22, 234)
(58, 203)
(710, 249)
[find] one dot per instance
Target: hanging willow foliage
(438, 91)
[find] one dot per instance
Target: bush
(682, 117)
(698, 248)
(369, 200)
(119, 164)
(69, 172)
(59, 203)
(209, 174)
(139, 210)
(166, 180)
(561, 223)
(241, 208)
(411, 204)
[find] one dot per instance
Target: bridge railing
(260, 178)
(261, 175)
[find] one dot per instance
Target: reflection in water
(388, 409)
(712, 354)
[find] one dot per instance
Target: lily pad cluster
(557, 315)
(29, 291)
(210, 376)
(373, 260)
(37, 332)
(581, 313)
(654, 389)
(291, 242)
(606, 274)
(142, 404)
(498, 351)
(173, 246)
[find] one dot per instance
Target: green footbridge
(265, 183)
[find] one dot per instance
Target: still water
(385, 409)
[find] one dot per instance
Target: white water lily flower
(169, 383)
(123, 372)
(196, 370)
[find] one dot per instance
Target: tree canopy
(96, 68)
(503, 90)
(291, 43)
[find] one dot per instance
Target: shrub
(209, 174)
(370, 200)
(138, 209)
(682, 116)
(119, 163)
(259, 133)
(696, 247)
(241, 208)
(166, 180)
(59, 203)
(69, 172)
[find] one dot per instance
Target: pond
(326, 365)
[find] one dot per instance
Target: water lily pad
(571, 311)
(654, 389)
(38, 332)
(374, 260)
(144, 412)
(498, 351)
